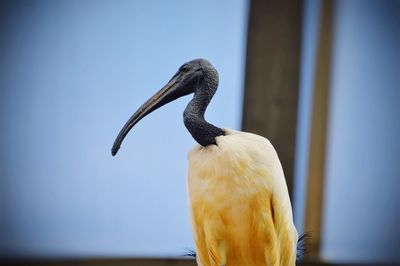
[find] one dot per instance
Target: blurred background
(320, 79)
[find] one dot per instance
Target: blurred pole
(319, 122)
(272, 76)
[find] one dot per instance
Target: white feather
(239, 202)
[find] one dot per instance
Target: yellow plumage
(239, 203)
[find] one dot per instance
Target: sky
(71, 74)
(362, 204)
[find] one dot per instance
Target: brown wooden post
(319, 122)
(272, 76)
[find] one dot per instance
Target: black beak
(168, 93)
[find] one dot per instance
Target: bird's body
(239, 203)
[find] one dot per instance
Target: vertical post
(272, 76)
(319, 122)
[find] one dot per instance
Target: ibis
(238, 198)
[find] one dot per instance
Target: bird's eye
(184, 68)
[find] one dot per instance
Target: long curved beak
(167, 94)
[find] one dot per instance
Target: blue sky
(73, 72)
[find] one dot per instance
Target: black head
(196, 71)
(184, 82)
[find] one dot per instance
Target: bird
(239, 203)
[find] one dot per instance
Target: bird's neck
(202, 131)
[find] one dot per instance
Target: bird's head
(186, 81)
